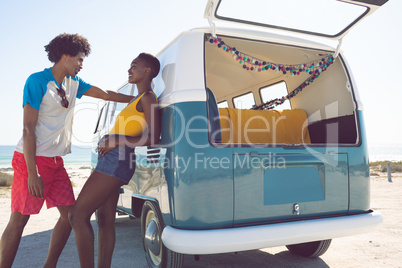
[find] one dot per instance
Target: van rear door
(289, 186)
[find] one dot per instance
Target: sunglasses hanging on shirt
(62, 94)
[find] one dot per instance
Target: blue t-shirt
(54, 127)
(36, 87)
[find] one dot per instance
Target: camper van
(263, 141)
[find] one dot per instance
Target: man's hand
(35, 185)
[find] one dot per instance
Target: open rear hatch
(331, 19)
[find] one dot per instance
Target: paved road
(382, 248)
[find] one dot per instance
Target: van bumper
(271, 235)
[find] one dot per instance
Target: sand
(382, 248)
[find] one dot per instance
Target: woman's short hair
(151, 62)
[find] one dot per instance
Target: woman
(138, 124)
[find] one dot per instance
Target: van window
(223, 104)
(116, 107)
(110, 112)
(125, 90)
(101, 120)
(245, 101)
(275, 91)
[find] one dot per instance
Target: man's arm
(107, 95)
(35, 183)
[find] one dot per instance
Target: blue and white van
(263, 140)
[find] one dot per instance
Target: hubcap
(152, 237)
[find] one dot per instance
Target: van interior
(268, 93)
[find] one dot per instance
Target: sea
(81, 155)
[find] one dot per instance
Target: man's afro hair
(69, 44)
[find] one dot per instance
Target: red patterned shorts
(58, 190)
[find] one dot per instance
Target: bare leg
(60, 235)
(10, 240)
(96, 191)
(106, 230)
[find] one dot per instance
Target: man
(39, 175)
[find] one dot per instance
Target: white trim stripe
(263, 236)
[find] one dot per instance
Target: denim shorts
(118, 162)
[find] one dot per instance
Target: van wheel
(310, 249)
(156, 253)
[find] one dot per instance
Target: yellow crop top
(130, 121)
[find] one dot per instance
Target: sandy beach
(382, 248)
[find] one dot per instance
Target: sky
(119, 30)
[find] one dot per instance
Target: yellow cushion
(264, 127)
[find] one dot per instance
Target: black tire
(156, 253)
(310, 249)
